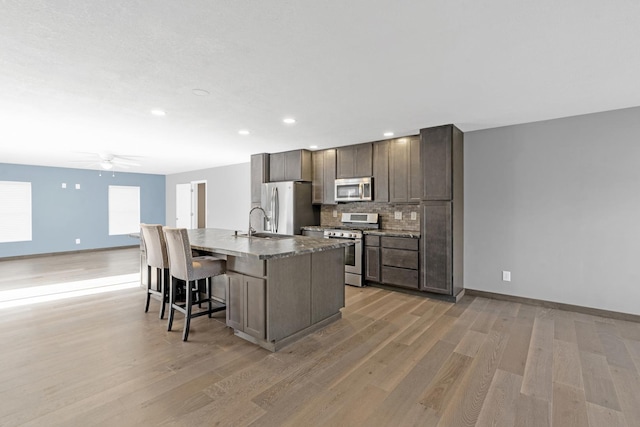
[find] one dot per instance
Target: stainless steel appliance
(354, 189)
(288, 206)
(351, 228)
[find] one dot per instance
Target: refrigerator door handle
(272, 210)
(277, 207)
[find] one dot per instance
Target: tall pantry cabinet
(442, 210)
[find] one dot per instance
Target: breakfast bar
(278, 288)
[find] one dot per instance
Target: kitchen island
(278, 289)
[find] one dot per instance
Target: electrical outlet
(77, 186)
(335, 213)
(398, 215)
(64, 185)
(506, 276)
(414, 216)
(77, 241)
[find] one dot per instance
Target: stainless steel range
(351, 228)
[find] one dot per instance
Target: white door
(183, 206)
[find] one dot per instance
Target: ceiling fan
(109, 161)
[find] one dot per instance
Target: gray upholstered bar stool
(156, 251)
(184, 267)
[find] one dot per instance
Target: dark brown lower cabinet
(246, 302)
(276, 301)
(404, 277)
(399, 258)
(392, 261)
(372, 263)
(437, 247)
(372, 258)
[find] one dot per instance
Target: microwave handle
(361, 192)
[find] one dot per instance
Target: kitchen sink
(271, 236)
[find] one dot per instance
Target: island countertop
(227, 243)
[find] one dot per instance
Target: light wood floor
(393, 360)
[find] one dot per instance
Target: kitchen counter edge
(224, 242)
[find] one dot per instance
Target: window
(15, 211)
(124, 210)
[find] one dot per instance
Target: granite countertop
(224, 242)
(379, 232)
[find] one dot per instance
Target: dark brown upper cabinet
(442, 162)
(405, 172)
(324, 176)
(290, 166)
(355, 161)
(381, 171)
(259, 175)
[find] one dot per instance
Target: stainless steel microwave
(354, 189)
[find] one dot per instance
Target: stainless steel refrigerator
(289, 206)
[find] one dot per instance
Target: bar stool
(184, 267)
(156, 251)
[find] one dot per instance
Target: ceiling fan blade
(124, 162)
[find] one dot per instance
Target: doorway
(191, 205)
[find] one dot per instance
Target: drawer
(371, 240)
(399, 243)
(400, 277)
(400, 258)
(245, 265)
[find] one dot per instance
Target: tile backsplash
(385, 211)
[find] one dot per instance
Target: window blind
(15, 211)
(124, 210)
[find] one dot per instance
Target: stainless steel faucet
(251, 229)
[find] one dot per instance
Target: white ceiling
(82, 76)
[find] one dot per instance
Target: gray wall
(228, 195)
(59, 216)
(557, 203)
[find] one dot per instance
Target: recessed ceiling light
(313, 147)
(200, 92)
(289, 120)
(158, 112)
(244, 132)
(388, 134)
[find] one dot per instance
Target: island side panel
(288, 296)
(327, 284)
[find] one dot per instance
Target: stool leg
(146, 307)
(172, 298)
(187, 316)
(164, 289)
(209, 296)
